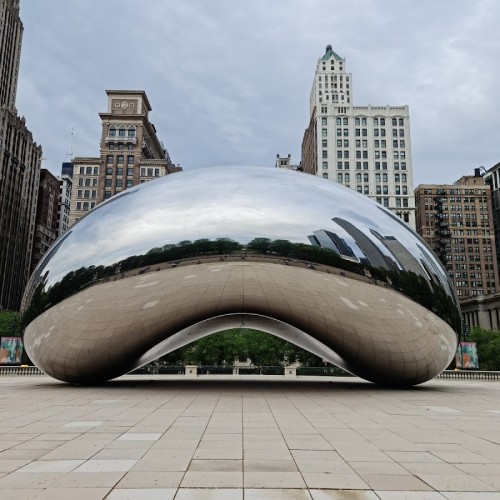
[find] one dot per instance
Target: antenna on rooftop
(74, 140)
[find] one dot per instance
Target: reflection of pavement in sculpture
(170, 261)
(367, 328)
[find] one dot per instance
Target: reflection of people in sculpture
(13, 351)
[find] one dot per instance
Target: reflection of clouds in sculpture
(266, 218)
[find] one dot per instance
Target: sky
(229, 80)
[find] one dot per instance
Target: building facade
(20, 159)
(492, 179)
(366, 148)
(65, 187)
(456, 221)
(130, 153)
(46, 222)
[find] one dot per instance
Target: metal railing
(469, 375)
(20, 370)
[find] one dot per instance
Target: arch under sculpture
(192, 253)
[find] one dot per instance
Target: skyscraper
(130, 153)
(20, 159)
(366, 148)
(456, 221)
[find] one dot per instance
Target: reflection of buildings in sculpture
(131, 153)
(327, 239)
(404, 257)
(286, 162)
(374, 255)
(20, 159)
(365, 148)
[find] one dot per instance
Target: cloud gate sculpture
(193, 253)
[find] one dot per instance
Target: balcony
(118, 138)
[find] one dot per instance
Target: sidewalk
(235, 437)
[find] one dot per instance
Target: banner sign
(11, 350)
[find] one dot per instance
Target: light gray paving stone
(343, 495)
(277, 480)
(142, 494)
(212, 479)
(209, 494)
(276, 494)
(73, 493)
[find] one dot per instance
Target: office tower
(456, 221)
(20, 159)
(366, 148)
(65, 187)
(130, 153)
(46, 223)
(492, 179)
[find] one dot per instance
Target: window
(365, 177)
(112, 147)
(339, 154)
(323, 121)
(365, 165)
(377, 165)
(109, 171)
(358, 154)
(119, 183)
(382, 122)
(346, 143)
(366, 190)
(94, 182)
(80, 181)
(325, 175)
(94, 193)
(339, 165)
(78, 205)
(107, 194)
(364, 132)
(395, 143)
(396, 165)
(386, 202)
(86, 193)
(363, 122)
(86, 206)
(339, 132)
(403, 165)
(398, 190)
(119, 159)
(325, 165)
(378, 189)
(130, 159)
(143, 171)
(131, 132)
(109, 182)
(402, 143)
(345, 121)
(324, 132)
(357, 132)
(384, 177)
(79, 194)
(358, 165)
(403, 155)
(87, 182)
(150, 172)
(403, 177)
(376, 143)
(396, 177)
(358, 177)
(400, 122)
(112, 131)
(375, 122)
(346, 177)
(339, 143)
(340, 177)
(401, 132)
(396, 155)
(129, 184)
(339, 121)
(119, 171)
(121, 132)
(346, 132)
(346, 165)
(96, 170)
(376, 132)
(394, 122)
(130, 172)
(324, 143)
(109, 159)
(157, 172)
(382, 132)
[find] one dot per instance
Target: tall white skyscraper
(366, 148)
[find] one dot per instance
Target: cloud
(229, 82)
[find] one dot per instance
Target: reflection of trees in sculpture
(407, 282)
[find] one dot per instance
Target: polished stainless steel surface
(298, 256)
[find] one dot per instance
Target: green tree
(10, 324)
(488, 347)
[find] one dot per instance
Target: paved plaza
(158, 437)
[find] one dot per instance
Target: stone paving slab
(248, 438)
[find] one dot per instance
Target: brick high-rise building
(366, 148)
(456, 221)
(130, 153)
(20, 159)
(46, 223)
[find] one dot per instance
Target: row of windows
(459, 199)
(120, 145)
(89, 170)
(345, 177)
(121, 131)
(145, 172)
(363, 121)
(119, 159)
(87, 193)
(364, 165)
(87, 181)
(334, 77)
(441, 191)
(471, 266)
(119, 171)
(364, 154)
(471, 249)
(85, 205)
(119, 183)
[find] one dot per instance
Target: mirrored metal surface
(119, 288)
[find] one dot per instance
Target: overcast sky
(229, 80)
